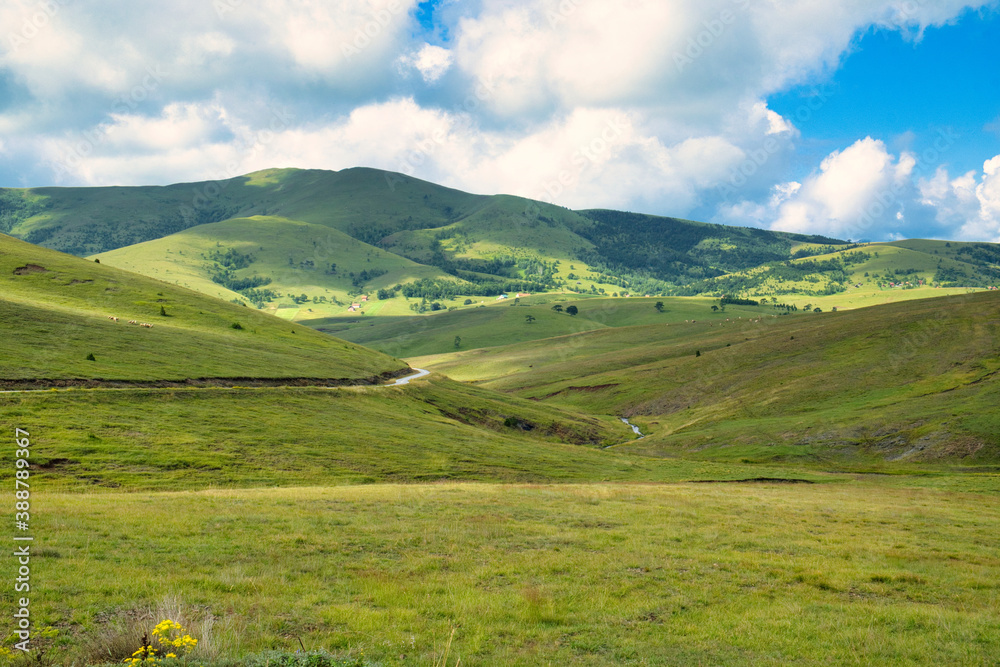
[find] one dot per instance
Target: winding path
(398, 383)
(406, 380)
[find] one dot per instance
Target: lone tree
(458, 341)
(572, 310)
(557, 308)
(659, 306)
(163, 311)
(529, 319)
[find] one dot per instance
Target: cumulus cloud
(859, 192)
(970, 202)
(592, 157)
(652, 105)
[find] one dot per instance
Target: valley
(787, 452)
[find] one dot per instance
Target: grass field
(431, 430)
(840, 573)
(54, 312)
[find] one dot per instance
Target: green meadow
(500, 324)
(845, 572)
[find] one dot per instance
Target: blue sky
(859, 119)
(902, 91)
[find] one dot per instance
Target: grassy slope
(914, 380)
(432, 430)
(505, 323)
(52, 319)
(915, 260)
(280, 248)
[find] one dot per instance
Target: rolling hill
(55, 310)
(576, 543)
(909, 381)
(194, 401)
(309, 244)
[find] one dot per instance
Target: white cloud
(682, 83)
(970, 202)
(693, 59)
(856, 193)
(431, 61)
(593, 157)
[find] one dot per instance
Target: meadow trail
(406, 379)
(95, 385)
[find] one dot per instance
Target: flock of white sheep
(135, 322)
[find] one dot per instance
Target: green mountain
(309, 244)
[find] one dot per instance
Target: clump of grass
(141, 635)
(317, 658)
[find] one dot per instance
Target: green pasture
(726, 574)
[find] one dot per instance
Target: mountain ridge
(455, 244)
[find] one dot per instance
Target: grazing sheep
(133, 322)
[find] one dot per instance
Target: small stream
(634, 428)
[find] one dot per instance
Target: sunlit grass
(594, 574)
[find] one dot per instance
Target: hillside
(55, 310)
(536, 318)
(312, 244)
(252, 260)
(856, 269)
(912, 381)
